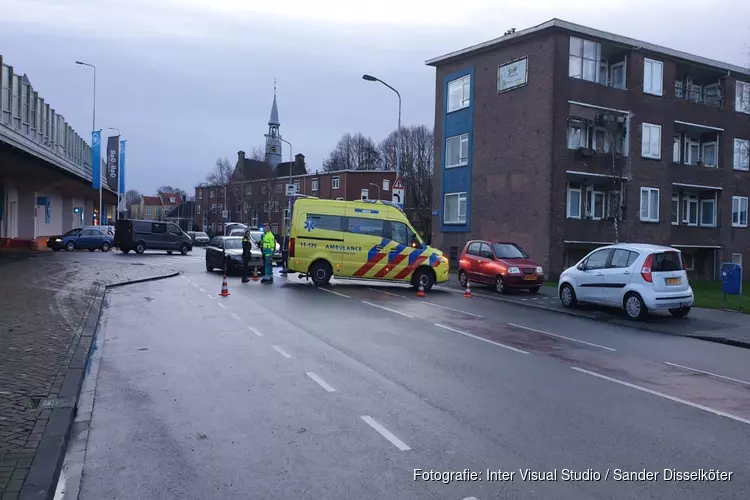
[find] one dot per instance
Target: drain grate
(48, 404)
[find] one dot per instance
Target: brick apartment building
(552, 136)
(257, 192)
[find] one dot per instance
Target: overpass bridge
(45, 168)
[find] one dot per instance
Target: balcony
(597, 141)
(696, 144)
(699, 86)
(694, 214)
(601, 231)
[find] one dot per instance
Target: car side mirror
(581, 267)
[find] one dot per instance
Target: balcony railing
(709, 96)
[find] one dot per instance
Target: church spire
(273, 138)
(274, 120)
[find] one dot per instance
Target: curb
(44, 473)
(619, 322)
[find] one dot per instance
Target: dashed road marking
(195, 285)
(387, 309)
(322, 383)
(335, 293)
(211, 296)
(386, 293)
(707, 373)
(201, 290)
(385, 433)
(451, 309)
(222, 305)
(455, 330)
(235, 316)
(282, 352)
(560, 336)
(255, 331)
(662, 395)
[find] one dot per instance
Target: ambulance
(368, 239)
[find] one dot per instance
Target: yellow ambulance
(368, 239)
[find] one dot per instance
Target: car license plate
(674, 281)
(530, 277)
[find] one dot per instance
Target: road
(289, 391)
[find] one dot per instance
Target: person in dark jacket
(285, 253)
(247, 246)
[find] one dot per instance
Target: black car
(228, 250)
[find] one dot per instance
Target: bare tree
(170, 189)
(353, 152)
(257, 154)
(221, 174)
(616, 126)
(132, 196)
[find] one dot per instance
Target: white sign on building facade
(513, 74)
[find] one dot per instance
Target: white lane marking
(387, 309)
(210, 296)
(561, 336)
(451, 309)
(335, 293)
(470, 498)
(235, 316)
(202, 290)
(454, 330)
(222, 305)
(707, 373)
(387, 293)
(282, 352)
(385, 433)
(195, 285)
(255, 331)
(322, 383)
(662, 395)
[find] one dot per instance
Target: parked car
(199, 238)
(140, 235)
(226, 252)
(636, 277)
(87, 238)
(501, 264)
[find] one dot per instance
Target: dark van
(142, 235)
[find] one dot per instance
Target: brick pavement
(44, 304)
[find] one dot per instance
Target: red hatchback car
(503, 265)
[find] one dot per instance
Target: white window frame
(624, 65)
(647, 141)
(462, 88)
(739, 201)
(386, 184)
(315, 185)
(647, 217)
(335, 182)
(675, 213)
(279, 188)
(275, 206)
(285, 217)
(462, 141)
(263, 189)
(198, 209)
(578, 59)
(606, 147)
(742, 97)
(702, 202)
(459, 197)
(200, 194)
(715, 144)
(249, 190)
(690, 206)
(676, 148)
(364, 194)
(212, 194)
(653, 70)
(584, 136)
(590, 203)
(687, 157)
(569, 206)
(266, 206)
(741, 155)
(149, 211)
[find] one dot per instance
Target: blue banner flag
(96, 159)
(122, 167)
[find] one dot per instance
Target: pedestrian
(285, 253)
(268, 243)
(247, 245)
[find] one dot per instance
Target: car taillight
(646, 270)
(684, 268)
(291, 247)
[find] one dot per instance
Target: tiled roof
(151, 200)
(166, 196)
(251, 169)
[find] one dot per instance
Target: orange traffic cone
(224, 288)
(420, 290)
(467, 293)
(255, 274)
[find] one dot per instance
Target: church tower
(273, 141)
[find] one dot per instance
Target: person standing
(268, 244)
(247, 245)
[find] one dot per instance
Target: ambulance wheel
(425, 277)
(320, 272)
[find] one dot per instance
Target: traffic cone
(467, 293)
(255, 274)
(420, 290)
(224, 288)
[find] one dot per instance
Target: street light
(291, 164)
(371, 78)
(93, 128)
(378, 187)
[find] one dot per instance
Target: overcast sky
(187, 81)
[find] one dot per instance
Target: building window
(741, 154)
(709, 154)
(457, 151)
(617, 74)
(197, 209)
(263, 189)
(275, 206)
(573, 202)
(149, 211)
(578, 136)
(364, 194)
(335, 182)
(386, 184)
(279, 188)
(690, 209)
(692, 151)
(172, 200)
(454, 210)
(688, 259)
(739, 211)
(249, 190)
(649, 204)
(200, 194)
(594, 204)
(742, 97)
(296, 186)
(315, 184)
(708, 212)
(676, 144)
(274, 228)
(254, 219)
(651, 141)
(459, 93)
(286, 217)
(584, 60)
(675, 209)
(266, 206)
(212, 194)
(653, 72)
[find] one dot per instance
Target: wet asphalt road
(288, 391)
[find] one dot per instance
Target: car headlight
(514, 270)
(236, 257)
(443, 259)
(58, 240)
(539, 270)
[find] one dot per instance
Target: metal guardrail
(28, 123)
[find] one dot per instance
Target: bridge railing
(28, 122)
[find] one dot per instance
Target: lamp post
(378, 188)
(117, 207)
(371, 78)
(93, 128)
(291, 164)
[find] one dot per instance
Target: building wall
(9, 223)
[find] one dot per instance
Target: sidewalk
(50, 309)
(713, 325)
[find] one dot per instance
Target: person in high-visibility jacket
(268, 244)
